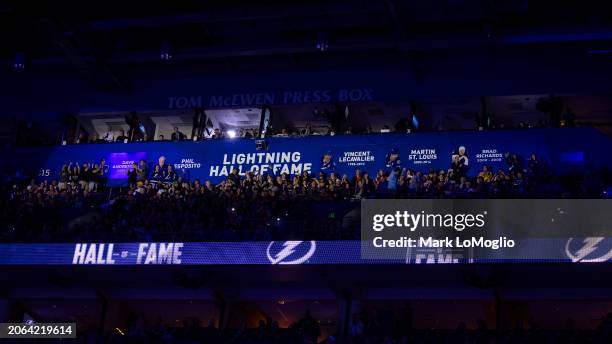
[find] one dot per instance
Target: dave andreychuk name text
(446, 242)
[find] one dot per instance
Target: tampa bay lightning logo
(290, 252)
(589, 250)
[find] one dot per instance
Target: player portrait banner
(214, 159)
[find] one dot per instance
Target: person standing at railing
(64, 178)
(177, 135)
(94, 178)
(103, 174)
(132, 175)
(143, 171)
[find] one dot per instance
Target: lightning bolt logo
(588, 247)
(288, 249)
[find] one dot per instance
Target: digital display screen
(559, 250)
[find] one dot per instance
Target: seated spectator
(161, 137)
(365, 188)
(82, 138)
(121, 136)
(285, 132)
(486, 174)
(534, 167)
(96, 138)
(381, 178)
(234, 177)
(480, 189)
(171, 176)
(393, 179)
(157, 176)
(309, 328)
(518, 183)
(514, 162)
(307, 130)
(217, 134)
(108, 136)
(177, 135)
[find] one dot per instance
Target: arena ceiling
(109, 45)
(101, 42)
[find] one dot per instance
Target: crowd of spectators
(119, 136)
(402, 126)
(361, 330)
(158, 204)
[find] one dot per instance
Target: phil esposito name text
(445, 242)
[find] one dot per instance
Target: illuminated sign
(292, 252)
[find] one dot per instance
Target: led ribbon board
(568, 250)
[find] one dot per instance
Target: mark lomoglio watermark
(455, 230)
(423, 221)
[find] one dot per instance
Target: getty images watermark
(448, 231)
(423, 221)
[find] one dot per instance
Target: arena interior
(287, 172)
